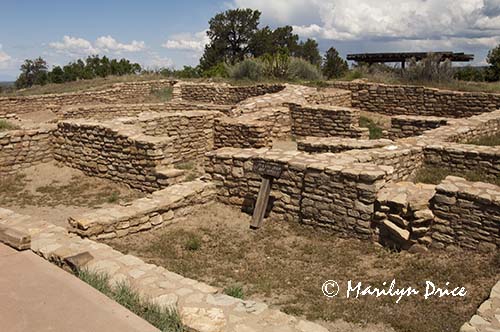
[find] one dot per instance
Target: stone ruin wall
(417, 100)
(118, 93)
(144, 214)
(332, 97)
(313, 190)
(254, 130)
(117, 152)
(326, 121)
(337, 145)
(408, 126)
(467, 215)
(23, 148)
(110, 111)
(191, 132)
(222, 94)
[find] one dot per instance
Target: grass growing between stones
(160, 95)
(6, 125)
(165, 319)
(434, 175)
(375, 130)
(285, 264)
(490, 140)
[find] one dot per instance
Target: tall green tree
(230, 34)
(32, 72)
(309, 51)
(333, 65)
(493, 59)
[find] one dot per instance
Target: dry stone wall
(332, 97)
(417, 100)
(315, 189)
(253, 130)
(325, 121)
(24, 148)
(118, 93)
(337, 145)
(192, 133)
(110, 111)
(143, 214)
(467, 215)
(115, 151)
(223, 94)
(408, 126)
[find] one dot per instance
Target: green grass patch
(435, 175)
(188, 165)
(6, 125)
(489, 140)
(235, 291)
(161, 95)
(114, 197)
(375, 130)
(165, 319)
(193, 243)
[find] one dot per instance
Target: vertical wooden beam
(261, 203)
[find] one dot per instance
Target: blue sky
(172, 33)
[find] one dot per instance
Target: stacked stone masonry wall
(326, 121)
(416, 100)
(253, 130)
(118, 93)
(113, 150)
(224, 94)
(332, 97)
(192, 133)
(110, 111)
(24, 148)
(467, 215)
(315, 189)
(337, 145)
(143, 214)
(408, 126)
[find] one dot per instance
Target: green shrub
(234, 291)
(276, 65)
(219, 70)
(300, 69)
(250, 69)
(193, 243)
(375, 130)
(429, 69)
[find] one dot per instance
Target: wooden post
(268, 171)
(261, 203)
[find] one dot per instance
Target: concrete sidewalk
(36, 295)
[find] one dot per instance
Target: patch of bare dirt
(286, 264)
(54, 192)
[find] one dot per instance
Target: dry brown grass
(286, 264)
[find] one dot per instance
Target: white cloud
(5, 59)
(104, 44)
(157, 61)
(383, 19)
(188, 42)
(109, 44)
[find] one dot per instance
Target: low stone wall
(417, 100)
(118, 93)
(325, 121)
(337, 145)
(192, 133)
(403, 217)
(115, 151)
(110, 111)
(407, 126)
(467, 215)
(464, 158)
(224, 94)
(24, 148)
(315, 189)
(145, 213)
(253, 130)
(332, 97)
